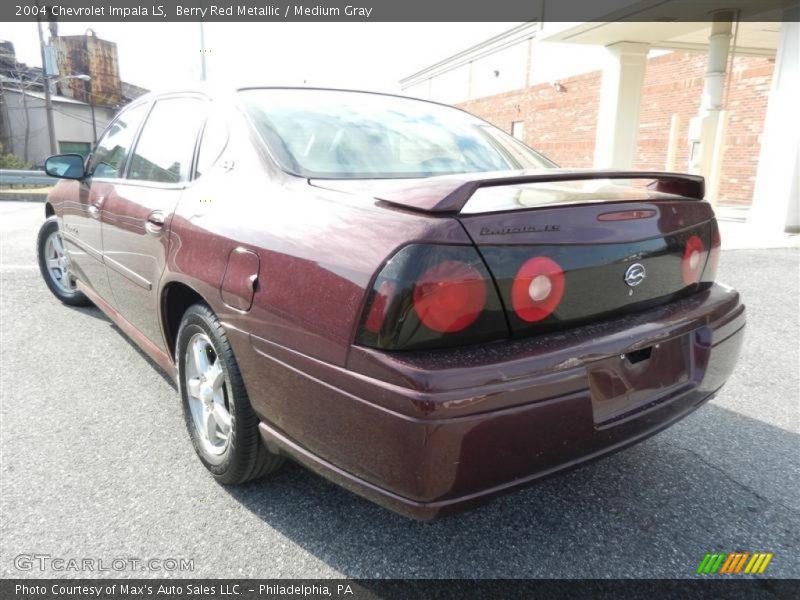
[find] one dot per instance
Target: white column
(703, 128)
(672, 141)
(620, 101)
(776, 198)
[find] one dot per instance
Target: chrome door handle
(155, 222)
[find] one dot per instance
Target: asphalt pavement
(95, 463)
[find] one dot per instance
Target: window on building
(113, 148)
(518, 129)
(165, 148)
(82, 148)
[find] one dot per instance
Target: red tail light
(432, 296)
(380, 304)
(710, 274)
(694, 259)
(449, 296)
(537, 289)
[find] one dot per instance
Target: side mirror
(65, 166)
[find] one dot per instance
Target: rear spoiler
(450, 193)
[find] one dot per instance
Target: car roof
(217, 91)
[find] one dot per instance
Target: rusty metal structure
(89, 55)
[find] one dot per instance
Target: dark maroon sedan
(392, 292)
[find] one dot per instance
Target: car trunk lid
(601, 243)
(612, 248)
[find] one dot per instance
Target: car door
(81, 216)
(137, 215)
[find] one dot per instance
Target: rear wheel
(217, 411)
(54, 265)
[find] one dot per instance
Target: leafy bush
(11, 161)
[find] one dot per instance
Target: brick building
(560, 121)
(686, 96)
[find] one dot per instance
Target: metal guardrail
(25, 177)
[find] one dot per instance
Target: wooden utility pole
(48, 101)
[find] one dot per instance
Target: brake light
(449, 296)
(694, 259)
(432, 296)
(626, 215)
(537, 289)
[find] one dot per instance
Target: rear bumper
(430, 434)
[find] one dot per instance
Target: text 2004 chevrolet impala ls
(392, 292)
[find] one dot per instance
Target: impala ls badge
(635, 274)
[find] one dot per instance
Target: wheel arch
(49, 211)
(176, 297)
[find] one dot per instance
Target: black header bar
(392, 10)
(393, 589)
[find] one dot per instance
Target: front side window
(344, 135)
(165, 148)
(113, 148)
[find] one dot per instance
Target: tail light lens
(380, 304)
(537, 289)
(710, 272)
(431, 296)
(694, 260)
(449, 296)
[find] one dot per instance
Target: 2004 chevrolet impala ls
(394, 293)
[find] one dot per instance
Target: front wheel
(217, 411)
(55, 266)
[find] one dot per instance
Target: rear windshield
(352, 135)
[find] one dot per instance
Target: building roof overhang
(674, 25)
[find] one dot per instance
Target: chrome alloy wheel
(57, 263)
(209, 394)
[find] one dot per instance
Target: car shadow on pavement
(95, 312)
(718, 480)
(91, 311)
(163, 374)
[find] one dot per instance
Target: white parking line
(17, 267)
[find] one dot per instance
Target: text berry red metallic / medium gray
(392, 292)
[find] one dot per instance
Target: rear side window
(213, 142)
(113, 148)
(165, 148)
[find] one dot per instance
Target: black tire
(245, 456)
(73, 297)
